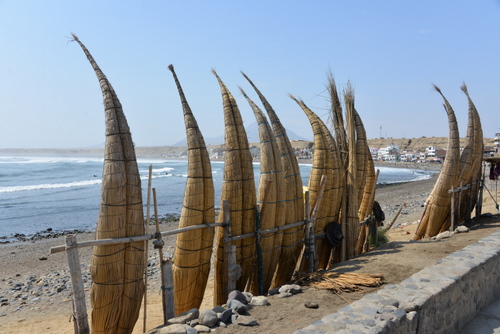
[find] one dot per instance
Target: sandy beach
(35, 293)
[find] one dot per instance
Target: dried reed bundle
(238, 189)
(362, 156)
(437, 209)
(292, 238)
(326, 162)
(478, 146)
(193, 249)
(337, 119)
(352, 222)
(340, 282)
(366, 207)
(117, 271)
(341, 139)
(271, 196)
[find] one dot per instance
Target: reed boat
(238, 188)
(193, 249)
(437, 207)
(294, 212)
(117, 270)
(270, 196)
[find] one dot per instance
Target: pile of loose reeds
(339, 282)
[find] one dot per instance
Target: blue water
(64, 193)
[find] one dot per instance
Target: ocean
(38, 193)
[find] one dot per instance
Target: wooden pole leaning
(146, 257)
(158, 244)
(229, 250)
(79, 307)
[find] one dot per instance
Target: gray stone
(208, 318)
(259, 301)
(290, 288)
(236, 295)
(443, 235)
(184, 317)
(246, 320)
(225, 316)
(202, 329)
(218, 309)
(285, 295)
(462, 229)
(274, 291)
(190, 330)
(237, 306)
(249, 296)
(173, 329)
(222, 324)
(311, 305)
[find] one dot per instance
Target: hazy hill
(252, 134)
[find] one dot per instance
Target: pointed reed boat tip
(464, 88)
(171, 67)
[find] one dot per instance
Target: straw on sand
(193, 249)
(339, 282)
(438, 202)
(271, 196)
(238, 188)
(292, 238)
(117, 270)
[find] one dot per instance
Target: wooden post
(479, 202)
(168, 289)
(159, 245)
(452, 226)
(79, 307)
(459, 203)
(146, 249)
(229, 250)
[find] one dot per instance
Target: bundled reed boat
(270, 197)
(437, 207)
(294, 205)
(117, 270)
(327, 163)
(238, 188)
(193, 249)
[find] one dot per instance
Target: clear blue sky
(391, 51)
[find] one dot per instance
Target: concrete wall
(441, 298)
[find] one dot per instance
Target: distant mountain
(252, 133)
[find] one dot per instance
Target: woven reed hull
(193, 249)
(325, 162)
(478, 146)
(337, 120)
(464, 175)
(352, 222)
(271, 196)
(438, 203)
(294, 208)
(238, 189)
(362, 153)
(117, 271)
(366, 207)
